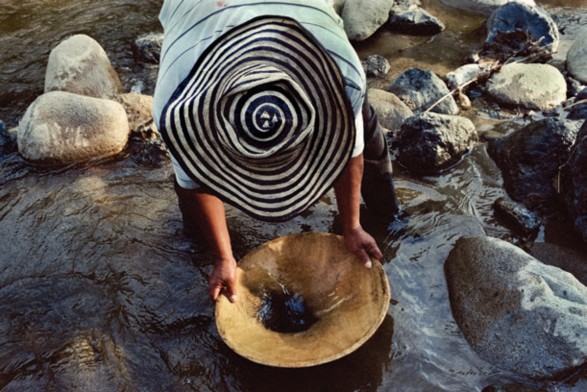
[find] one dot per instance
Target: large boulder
(420, 89)
(363, 18)
(80, 65)
(485, 7)
(520, 29)
(531, 86)
(516, 312)
(577, 58)
(62, 128)
(391, 111)
(575, 183)
(430, 143)
(530, 158)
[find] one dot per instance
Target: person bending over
(262, 105)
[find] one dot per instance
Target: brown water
(100, 290)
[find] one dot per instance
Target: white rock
(532, 86)
(363, 18)
(80, 65)
(62, 128)
(464, 74)
(577, 58)
(484, 7)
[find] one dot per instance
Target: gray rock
(574, 183)
(145, 144)
(516, 312)
(530, 158)
(148, 47)
(138, 108)
(517, 217)
(80, 65)
(363, 18)
(420, 89)
(414, 20)
(430, 143)
(391, 111)
(465, 74)
(376, 66)
(62, 128)
(485, 7)
(514, 26)
(577, 58)
(567, 259)
(531, 86)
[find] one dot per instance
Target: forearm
(348, 193)
(207, 213)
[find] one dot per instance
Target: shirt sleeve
(359, 139)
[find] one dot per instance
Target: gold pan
(347, 301)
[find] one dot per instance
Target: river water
(101, 291)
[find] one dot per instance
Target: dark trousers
(377, 187)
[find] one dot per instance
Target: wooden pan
(348, 301)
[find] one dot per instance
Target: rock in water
(62, 128)
(517, 313)
(574, 183)
(430, 143)
(80, 65)
(577, 58)
(520, 29)
(531, 86)
(485, 7)
(363, 18)
(420, 89)
(530, 158)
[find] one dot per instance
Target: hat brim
(349, 301)
(281, 186)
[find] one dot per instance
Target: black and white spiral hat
(262, 121)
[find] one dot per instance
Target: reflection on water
(100, 289)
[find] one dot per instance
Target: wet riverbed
(100, 290)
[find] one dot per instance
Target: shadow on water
(100, 289)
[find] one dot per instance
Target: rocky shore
(516, 310)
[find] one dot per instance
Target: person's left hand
(363, 245)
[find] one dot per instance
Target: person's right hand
(223, 279)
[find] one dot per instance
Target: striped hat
(262, 121)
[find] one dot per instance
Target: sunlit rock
(516, 312)
(62, 128)
(391, 111)
(577, 58)
(430, 143)
(531, 86)
(420, 89)
(80, 65)
(485, 7)
(363, 18)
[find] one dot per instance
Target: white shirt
(190, 26)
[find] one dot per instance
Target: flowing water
(100, 290)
